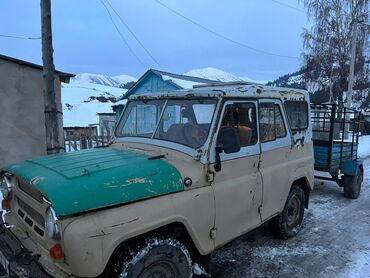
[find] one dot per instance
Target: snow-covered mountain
(86, 95)
(219, 75)
(118, 81)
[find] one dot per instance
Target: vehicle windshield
(184, 121)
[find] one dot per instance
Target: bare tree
(328, 43)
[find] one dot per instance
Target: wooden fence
(72, 144)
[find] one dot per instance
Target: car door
(237, 185)
(275, 156)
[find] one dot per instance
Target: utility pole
(54, 142)
(351, 77)
(352, 64)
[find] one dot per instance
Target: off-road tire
(289, 222)
(160, 257)
(352, 185)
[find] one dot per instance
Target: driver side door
(237, 185)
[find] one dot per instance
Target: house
(158, 81)
(107, 122)
(22, 118)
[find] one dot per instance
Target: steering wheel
(187, 134)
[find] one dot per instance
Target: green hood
(96, 178)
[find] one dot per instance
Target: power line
(287, 5)
(223, 36)
(122, 37)
(133, 34)
(20, 38)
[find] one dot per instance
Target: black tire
(352, 185)
(289, 222)
(163, 257)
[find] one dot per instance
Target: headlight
(6, 186)
(51, 226)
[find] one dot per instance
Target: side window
(242, 117)
(279, 123)
(297, 112)
(267, 122)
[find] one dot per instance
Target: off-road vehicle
(186, 172)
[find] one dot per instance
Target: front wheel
(352, 185)
(289, 222)
(157, 258)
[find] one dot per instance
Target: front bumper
(15, 258)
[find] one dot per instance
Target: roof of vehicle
(230, 89)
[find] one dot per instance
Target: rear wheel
(352, 185)
(289, 222)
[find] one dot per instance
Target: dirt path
(334, 242)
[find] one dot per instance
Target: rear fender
(351, 168)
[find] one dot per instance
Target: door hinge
(260, 209)
(210, 176)
(213, 233)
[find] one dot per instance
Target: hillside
(291, 80)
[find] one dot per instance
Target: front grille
(37, 217)
(30, 190)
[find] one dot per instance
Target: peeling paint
(36, 180)
(100, 235)
(124, 223)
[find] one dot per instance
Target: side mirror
(228, 138)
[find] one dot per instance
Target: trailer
(336, 131)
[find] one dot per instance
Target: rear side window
(297, 112)
(271, 122)
(267, 122)
(279, 123)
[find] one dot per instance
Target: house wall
(154, 83)
(22, 120)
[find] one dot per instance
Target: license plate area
(4, 262)
(13, 243)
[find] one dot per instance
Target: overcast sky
(85, 40)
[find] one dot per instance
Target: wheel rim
(160, 269)
(293, 211)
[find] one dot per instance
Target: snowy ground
(334, 241)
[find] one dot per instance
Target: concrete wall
(22, 120)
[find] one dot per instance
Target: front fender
(90, 240)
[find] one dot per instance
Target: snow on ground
(82, 101)
(364, 147)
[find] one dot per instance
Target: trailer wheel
(289, 222)
(352, 185)
(160, 256)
